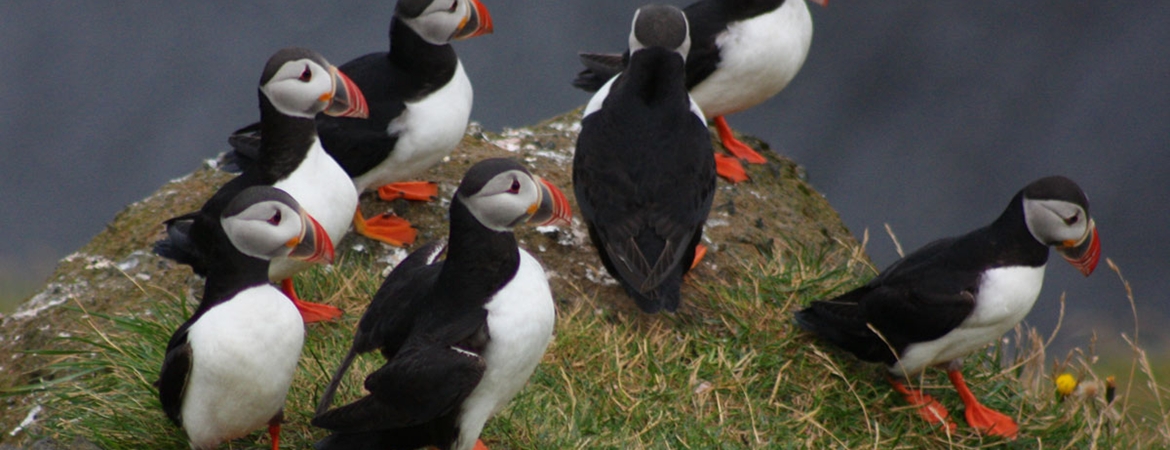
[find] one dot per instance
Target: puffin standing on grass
(956, 295)
(643, 172)
(460, 335)
(228, 368)
(296, 85)
(419, 101)
(742, 53)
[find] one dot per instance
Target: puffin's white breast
(759, 57)
(1005, 296)
(323, 188)
(520, 325)
(244, 355)
(428, 131)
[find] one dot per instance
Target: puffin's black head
(502, 194)
(265, 222)
(301, 83)
(660, 26)
(442, 21)
(1056, 211)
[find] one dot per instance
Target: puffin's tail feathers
(178, 245)
(599, 68)
(331, 389)
(245, 150)
(842, 324)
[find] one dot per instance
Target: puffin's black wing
(599, 69)
(172, 378)
(359, 145)
(390, 318)
(706, 20)
(425, 381)
(917, 299)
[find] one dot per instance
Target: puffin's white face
(445, 20)
(300, 88)
(507, 200)
(265, 230)
(1057, 222)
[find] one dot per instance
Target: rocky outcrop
(115, 274)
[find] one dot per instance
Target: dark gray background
(924, 115)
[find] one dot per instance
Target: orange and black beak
(1083, 254)
(477, 22)
(313, 245)
(346, 100)
(552, 208)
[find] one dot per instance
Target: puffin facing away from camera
(296, 85)
(742, 53)
(643, 172)
(419, 101)
(228, 368)
(460, 335)
(956, 295)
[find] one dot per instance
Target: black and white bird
(419, 102)
(460, 335)
(228, 368)
(642, 171)
(296, 85)
(956, 295)
(742, 53)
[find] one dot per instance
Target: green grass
(729, 372)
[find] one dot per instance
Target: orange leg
(386, 228)
(274, 430)
(980, 417)
(930, 409)
(700, 252)
(423, 191)
(479, 445)
(735, 146)
(310, 312)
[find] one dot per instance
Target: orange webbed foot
(735, 146)
(929, 409)
(730, 168)
(980, 417)
(385, 227)
(479, 445)
(423, 191)
(310, 312)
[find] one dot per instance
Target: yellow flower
(1065, 384)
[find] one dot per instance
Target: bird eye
(275, 219)
(515, 186)
(307, 74)
(454, 6)
(1072, 220)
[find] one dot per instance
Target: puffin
(742, 53)
(460, 334)
(228, 368)
(420, 102)
(956, 295)
(296, 84)
(642, 171)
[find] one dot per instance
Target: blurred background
(927, 116)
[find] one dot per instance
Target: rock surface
(115, 272)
